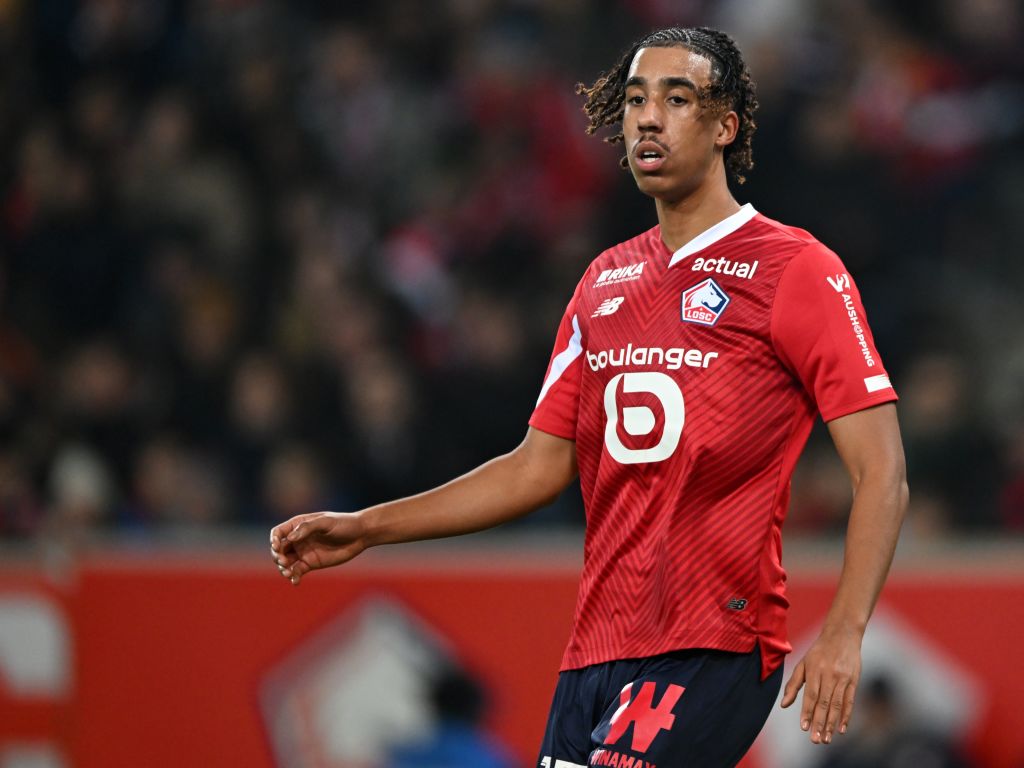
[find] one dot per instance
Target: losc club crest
(704, 303)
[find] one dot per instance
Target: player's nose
(651, 118)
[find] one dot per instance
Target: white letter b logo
(640, 420)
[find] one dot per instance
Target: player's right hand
(317, 540)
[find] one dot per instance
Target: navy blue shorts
(693, 708)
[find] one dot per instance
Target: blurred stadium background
(262, 257)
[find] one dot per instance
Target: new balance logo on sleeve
(609, 306)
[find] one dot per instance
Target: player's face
(672, 143)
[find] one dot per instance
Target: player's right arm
(501, 490)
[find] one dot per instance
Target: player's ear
(728, 127)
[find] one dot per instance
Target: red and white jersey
(690, 382)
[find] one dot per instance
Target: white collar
(713, 234)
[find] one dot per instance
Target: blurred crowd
(262, 257)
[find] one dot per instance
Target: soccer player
(688, 369)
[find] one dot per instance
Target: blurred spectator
(174, 488)
(156, 484)
(260, 419)
(1011, 497)
(204, 357)
(21, 512)
(99, 403)
(294, 484)
(487, 354)
(203, 493)
(952, 458)
(81, 491)
(170, 184)
(390, 455)
(457, 740)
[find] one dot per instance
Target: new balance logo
(609, 306)
(620, 275)
(840, 282)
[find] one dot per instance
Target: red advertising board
(215, 660)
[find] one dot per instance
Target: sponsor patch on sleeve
(877, 383)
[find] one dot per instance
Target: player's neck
(683, 220)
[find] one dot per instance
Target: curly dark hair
(731, 87)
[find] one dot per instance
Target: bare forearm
(869, 443)
(875, 520)
(501, 490)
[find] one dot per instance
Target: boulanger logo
(639, 420)
(672, 358)
(704, 303)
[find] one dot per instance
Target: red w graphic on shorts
(648, 720)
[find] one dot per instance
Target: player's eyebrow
(666, 82)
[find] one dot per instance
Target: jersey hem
(737, 643)
(772, 657)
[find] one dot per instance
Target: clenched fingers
(282, 551)
(305, 526)
(279, 533)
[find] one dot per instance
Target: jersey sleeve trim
(845, 409)
(563, 359)
(551, 428)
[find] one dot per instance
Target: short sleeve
(558, 404)
(820, 332)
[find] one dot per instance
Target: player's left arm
(869, 444)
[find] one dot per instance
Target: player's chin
(656, 185)
(643, 175)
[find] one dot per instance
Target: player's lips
(649, 155)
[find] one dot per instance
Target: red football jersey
(690, 382)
